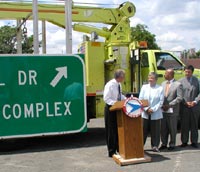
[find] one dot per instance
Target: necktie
(119, 93)
(189, 80)
(167, 88)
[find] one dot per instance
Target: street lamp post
(35, 26)
(68, 25)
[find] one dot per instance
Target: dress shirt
(170, 82)
(111, 92)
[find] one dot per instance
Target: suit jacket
(155, 96)
(191, 91)
(174, 97)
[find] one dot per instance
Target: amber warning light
(143, 44)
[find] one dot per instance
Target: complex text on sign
(35, 110)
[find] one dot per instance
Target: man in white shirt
(112, 94)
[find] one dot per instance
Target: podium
(130, 138)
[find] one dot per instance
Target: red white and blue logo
(133, 107)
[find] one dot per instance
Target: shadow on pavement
(178, 149)
(157, 157)
(93, 137)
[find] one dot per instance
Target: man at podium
(112, 94)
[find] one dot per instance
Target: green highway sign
(42, 95)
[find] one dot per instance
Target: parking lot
(86, 152)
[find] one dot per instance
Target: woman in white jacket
(152, 114)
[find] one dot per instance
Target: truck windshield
(165, 61)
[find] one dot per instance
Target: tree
(27, 45)
(198, 54)
(8, 41)
(140, 33)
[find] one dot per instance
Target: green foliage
(27, 45)
(140, 33)
(198, 54)
(8, 41)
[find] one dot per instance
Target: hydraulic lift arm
(118, 18)
(55, 13)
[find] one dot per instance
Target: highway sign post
(41, 95)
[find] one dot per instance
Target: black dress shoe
(111, 154)
(171, 148)
(163, 147)
(194, 145)
(183, 145)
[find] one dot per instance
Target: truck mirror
(134, 55)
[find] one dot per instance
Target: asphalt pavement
(86, 152)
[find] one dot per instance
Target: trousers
(189, 122)
(111, 130)
(168, 128)
(154, 127)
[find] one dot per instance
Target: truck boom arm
(55, 13)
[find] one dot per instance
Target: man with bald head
(173, 96)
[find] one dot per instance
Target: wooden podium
(130, 136)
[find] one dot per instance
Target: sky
(176, 24)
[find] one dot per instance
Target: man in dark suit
(173, 97)
(190, 108)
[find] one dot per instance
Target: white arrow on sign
(62, 72)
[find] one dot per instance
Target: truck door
(165, 61)
(145, 67)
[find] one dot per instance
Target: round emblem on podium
(133, 107)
